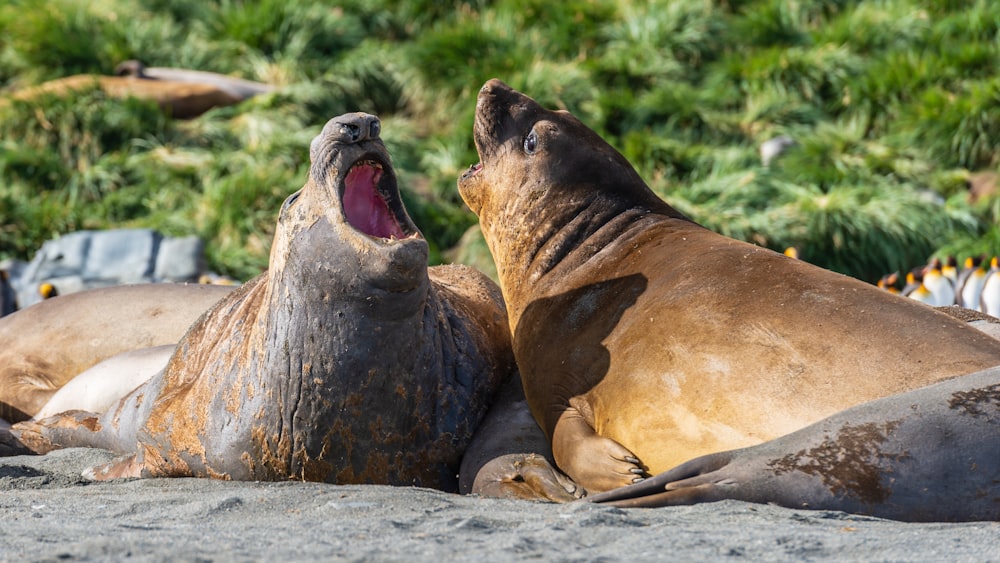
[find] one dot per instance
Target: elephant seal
(237, 87)
(97, 388)
(348, 361)
(180, 100)
(509, 456)
(928, 455)
(644, 339)
(47, 344)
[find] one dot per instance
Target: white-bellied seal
(98, 388)
(47, 344)
(348, 361)
(932, 454)
(641, 335)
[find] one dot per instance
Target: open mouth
(365, 204)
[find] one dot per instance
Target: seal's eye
(531, 142)
(290, 200)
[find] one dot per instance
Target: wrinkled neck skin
(560, 236)
(329, 337)
(338, 304)
(316, 253)
(408, 360)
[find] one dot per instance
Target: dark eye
(531, 142)
(290, 200)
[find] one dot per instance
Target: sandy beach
(50, 513)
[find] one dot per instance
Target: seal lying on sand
(641, 335)
(932, 454)
(99, 388)
(47, 344)
(347, 362)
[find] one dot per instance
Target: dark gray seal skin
(47, 344)
(645, 340)
(929, 455)
(237, 87)
(346, 362)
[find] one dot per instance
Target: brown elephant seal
(181, 100)
(931, 454)
(47, 344)
(348, 361)
(644, 339)
(238, 87)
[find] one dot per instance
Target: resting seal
(348, 361)
(237, 87)
(644, 339)
(932, 454)
(98, 388)
(47, 344)
(181, 100)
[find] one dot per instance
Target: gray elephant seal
(644, 339)
(47, 344)
(236, 87)
(348, 361)
(932, 454)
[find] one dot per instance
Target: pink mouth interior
(364, 208)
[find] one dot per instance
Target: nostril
(350, 131)
(374, 129)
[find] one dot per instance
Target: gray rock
(125, 255)
(180, 259)
(91, 259)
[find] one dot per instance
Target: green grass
(893, 103)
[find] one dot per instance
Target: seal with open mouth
(644, 339)
(346, 362)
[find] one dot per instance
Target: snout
(495, 87)
(353, 128)
(492, 110)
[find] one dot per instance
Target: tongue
(365, 209)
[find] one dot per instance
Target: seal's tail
(11, 446)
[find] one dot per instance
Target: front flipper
(595, 462)
(65, 430)
(695, 481)
(525, 476)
